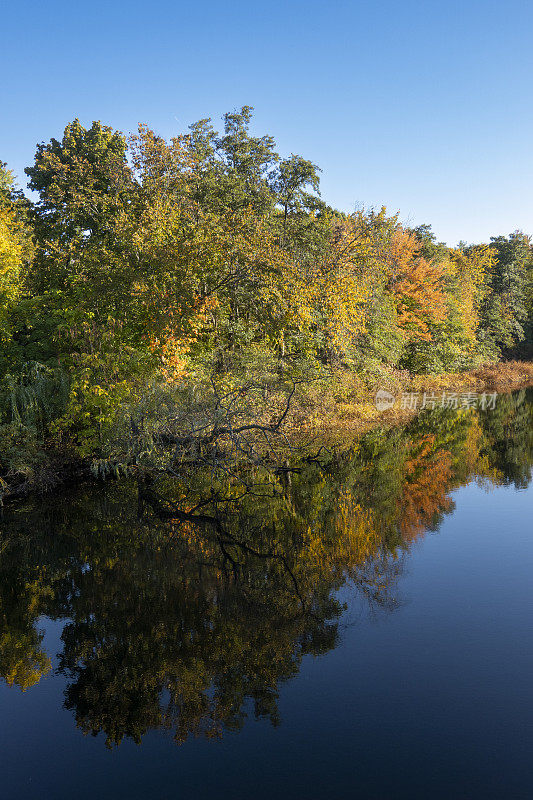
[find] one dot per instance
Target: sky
(424, 107)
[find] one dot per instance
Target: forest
(156, 296)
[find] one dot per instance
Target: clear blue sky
(422, 106)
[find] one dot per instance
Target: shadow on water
(185, 607)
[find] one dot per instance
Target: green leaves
(151, 260)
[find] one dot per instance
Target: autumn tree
(16, 250)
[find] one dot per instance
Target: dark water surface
(366, 632)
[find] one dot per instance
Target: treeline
(208, 259)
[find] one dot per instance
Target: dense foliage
(148, 268)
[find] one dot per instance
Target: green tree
(83, 182)
(294, 175)
(504, 312)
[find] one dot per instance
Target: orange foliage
(416, 286)
(427, 477)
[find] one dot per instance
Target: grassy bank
(348, 406)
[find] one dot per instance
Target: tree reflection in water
(186, 608)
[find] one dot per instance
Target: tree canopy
(211, 258)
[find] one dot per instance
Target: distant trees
(505, 310)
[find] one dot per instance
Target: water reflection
(185, 609)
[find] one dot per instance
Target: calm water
(362, 631)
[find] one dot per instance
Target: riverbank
(327, 412)
(352, 407)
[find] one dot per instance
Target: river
(357, 625)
